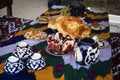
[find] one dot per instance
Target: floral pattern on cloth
(10, 25)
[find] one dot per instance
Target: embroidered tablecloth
(62, 67)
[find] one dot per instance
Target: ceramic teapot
(86, 51)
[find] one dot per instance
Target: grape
(65, 11)
(73, 10)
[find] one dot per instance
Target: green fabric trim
(55, 61)
(69, 72)
(102, 68)
(40, 46)
(4, 57)
(83, 74)
(37, 25)
(56, 73)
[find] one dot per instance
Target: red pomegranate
(58, 43)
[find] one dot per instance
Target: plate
(44, 19)
(49, 51)
(103, 43)
(97, 26)
(101, 27)
(35, 35)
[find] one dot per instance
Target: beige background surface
(28, 9)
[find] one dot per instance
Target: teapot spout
(78, 54)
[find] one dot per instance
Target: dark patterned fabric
(9, 25)
(115, 43)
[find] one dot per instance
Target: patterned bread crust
(52, 23)
(69, 25)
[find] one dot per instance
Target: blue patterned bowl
(23, 50)
(36, 62)
(13, 65)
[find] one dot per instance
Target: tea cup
(36, 62)
(13, 65)
(23, 50)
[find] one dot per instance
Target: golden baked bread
(52, 23)
(70, 25)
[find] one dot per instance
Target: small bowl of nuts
(35, 35)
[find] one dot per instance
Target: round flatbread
(70, 25)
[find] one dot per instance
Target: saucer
(35, 35)
(49, 51)
(103, 43)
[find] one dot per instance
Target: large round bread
(69, 25)
(52, 23)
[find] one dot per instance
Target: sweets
(36, 35)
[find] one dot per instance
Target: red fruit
(68, 47)
(51, 45)
(54, 46)
(59, 43)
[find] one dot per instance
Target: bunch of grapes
(73, 10)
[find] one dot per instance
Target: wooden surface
(8, 4)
